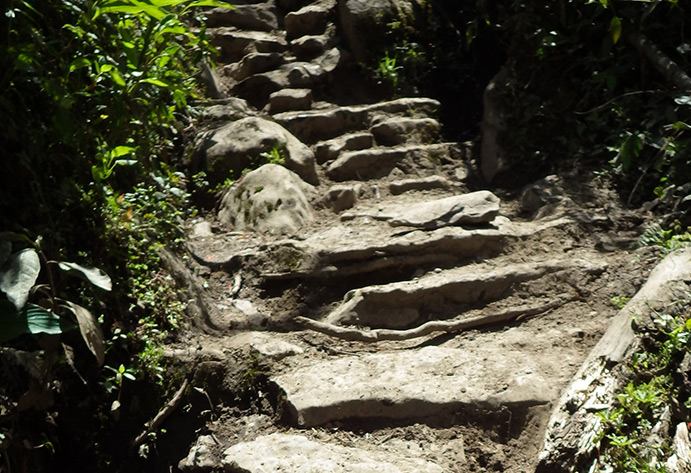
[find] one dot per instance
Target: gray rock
(289, 453)
(270, 199)
(309, 20)
(234, 44)
(413, 384)
(202, 456)
(493, 155)
(329, 150)
(290, 99)
(547, 190)
(232, 108)
(404, 304)
(231, 148)
(342, 197)
(425, 183)
(473, 208)
(266, 344)
(202, 230)
(308, 47)
(399, 130)
(260, 17)
(254, 63)
(364, 22)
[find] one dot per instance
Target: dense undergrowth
(95, 110)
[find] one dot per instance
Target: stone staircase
(408, 324)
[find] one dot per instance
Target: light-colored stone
(232, 108)
(234, 44)
(201, 456)
(308, 47)
(413, 384)
(290, 99)
(202, 230)
(233, 146)
(287, 453)
(328, 150)
(342, 197)
(424, 183)
(269, 199)
(399, 130)
(473, 208)
(260, 17)
(254, 63)
(309, 20)
(266, 344)
(404, 304)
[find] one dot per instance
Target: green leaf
(90, 330)
(94, 275)
(615, 29)
(117, 77)
(155, 82)
(32, 319)
(121, 151)
(79, 63)
(19, 275)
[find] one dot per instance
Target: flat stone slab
(297, 454)
(403, 304)
(473, 208)
(424, 183)
(413, 384)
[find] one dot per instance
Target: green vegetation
(636, 427)
(94, 103)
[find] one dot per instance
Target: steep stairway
(408, 324)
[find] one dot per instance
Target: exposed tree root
(162, 415)
(449, 326)
(666, 66)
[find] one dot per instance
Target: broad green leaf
(90, 330)
(94, 275)
(155, 82)
(117, 77)
(615, 29)
(32, 319)
(79, 63)
(121, 151)
(19, 275)
(5, 251)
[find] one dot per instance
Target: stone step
(309, 20)
(254, 63)
(413, 385)
(419, 184)
(290, 99)
(308, 47)
(233, 44)
(258, 17)
(257, 88)
(324, 124)
(330, 149)
(401, 130)
(290, 453)
(444, 292)
(376, 163)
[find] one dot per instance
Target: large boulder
(270, 199)
(364, 21)
(232, 147)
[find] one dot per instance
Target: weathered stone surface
(201, 456)
(234, 44)
(232, 108)
(396, 131)
(288, 453)
(328, 150)
(309, 20)
(232, 146)
(473, 208)
(403, 304)
(413, 384)
(202, 230)
(290, 99)
(266, 344)
(260, 17)
(254, 63)
(269, 199)
(364, 21)
(342, 197)
(330, 123)
(308, 47)
(424, 183)
(493, 155)
(379, 162)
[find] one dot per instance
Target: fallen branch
(449, 326)
(666, 66)
(163, 414)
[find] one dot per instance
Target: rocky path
(377, 311)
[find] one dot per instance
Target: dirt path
(397, 241)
